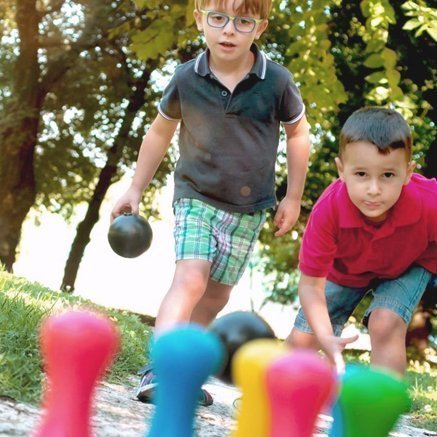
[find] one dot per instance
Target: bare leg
(299, 339)
(189, 284)
(211, 303)
(387, 336)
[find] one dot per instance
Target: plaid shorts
(224, 238)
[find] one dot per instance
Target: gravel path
(118, 414)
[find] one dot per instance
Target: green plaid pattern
(224, 238)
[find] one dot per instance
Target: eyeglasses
(241, 24)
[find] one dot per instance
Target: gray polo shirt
(228, 142)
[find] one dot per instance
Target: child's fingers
(346, 340)
(284, 227)
(339, 362)
(281, 231)
(338, 357)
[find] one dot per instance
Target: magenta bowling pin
(298, 386)
(77, 347)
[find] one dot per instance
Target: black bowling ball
(234, 330)
(130, 235)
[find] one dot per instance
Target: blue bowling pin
(369, 403)
(183, 358)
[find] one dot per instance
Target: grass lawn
(24, 305)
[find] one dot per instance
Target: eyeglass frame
(232, 18)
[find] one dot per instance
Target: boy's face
(227, 44)
(374, 181)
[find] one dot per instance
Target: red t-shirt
(342, 246)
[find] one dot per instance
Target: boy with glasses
(229, 103)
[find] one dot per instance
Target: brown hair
(261, 7)
(383, 127)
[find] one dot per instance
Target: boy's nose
(229, 27)
(373, 188)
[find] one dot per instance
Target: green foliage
(379, 16)
(23, 306)
(421, 378)
(155, 40)
(312, 62)
(424, 18)
(166, 26)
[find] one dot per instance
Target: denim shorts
(400, 295)
(224, 238)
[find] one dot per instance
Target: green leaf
(390, 58)
(411, 24)
(374, 61)
(433, 33)
(393, 77)
(379, 77)
(152, 42)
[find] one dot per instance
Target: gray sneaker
(148, 383)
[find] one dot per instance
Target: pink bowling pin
(77, 348)
(298, 386)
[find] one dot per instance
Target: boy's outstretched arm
(312, 299)
(298, 151)
(153, 149)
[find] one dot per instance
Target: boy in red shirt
(372, 230)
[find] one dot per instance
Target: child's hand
(286, 215)
(333, 348)
(129, 202)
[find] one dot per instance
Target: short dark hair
(383, 127)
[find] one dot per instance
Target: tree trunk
(18, 135)
(85, 227)
(17, 192)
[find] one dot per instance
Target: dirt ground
(118, 414)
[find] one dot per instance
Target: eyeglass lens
(242, 24)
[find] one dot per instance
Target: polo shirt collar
(406, 211)
(201, 66)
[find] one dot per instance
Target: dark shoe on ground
(148, 383)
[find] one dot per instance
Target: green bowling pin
(369, 403)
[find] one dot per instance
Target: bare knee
(386, 326)
(387, 336)
(300, 339)
(191, 276)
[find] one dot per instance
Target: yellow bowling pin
(249, 367)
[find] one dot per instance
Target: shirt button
(224, 93)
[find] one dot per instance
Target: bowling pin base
(369, 403)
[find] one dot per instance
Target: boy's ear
(198, 18)
(261, 28)
(410, 169)
(339, 165)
